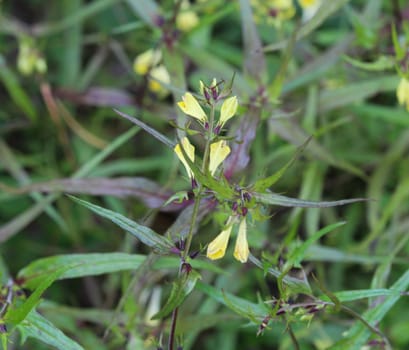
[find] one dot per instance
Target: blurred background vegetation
(331, 73)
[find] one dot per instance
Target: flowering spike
(191, 107)
(228, 110)
(189, 150)
(241, 250)
(218, 153)
(217, 248)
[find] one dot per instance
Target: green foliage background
(333, 78)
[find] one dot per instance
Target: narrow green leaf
(381, 113)
(157, 135)
(17, 315)
(181, 288)
(297, 255)
(359, 333)
(4, 341)
(400, 52)
(276, 86)
(240, 306)
(143, 233)
(15, 90)
(356, 92)
(173, 262)
(81, 265)
(381, 64)
(352, 295)
(36, 326)
(271, 198)
(262, 184)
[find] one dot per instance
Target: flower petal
(146, 61)
(217, 248)
(228, 110)
(191, 107)
(161, 75)
(189, 150)
(241, 250)
(402, 92)
(218, 153)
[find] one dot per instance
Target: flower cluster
(218, 152)
(29, 59)
(217, 248)
(219, 149)
(149, 62)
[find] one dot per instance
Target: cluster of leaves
(72, 281)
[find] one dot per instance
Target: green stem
(205, 166)
(198, 197)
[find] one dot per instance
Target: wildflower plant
(220, 242)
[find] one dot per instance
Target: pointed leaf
(381, 64)
(91, 264)
(297, 255)
(143, 233)
(277, 199)
(240, 306)
(18, 314)
(38, 327)
(157, 135)
(352, 295)
(181, 288)
(359, 333)
(262, 184)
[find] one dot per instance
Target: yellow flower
(187, 20)
(228, 110)
(191, 107)
(402, 92)
(189, 150)
(217, 248)
(241, 250)
(218, 153)
(29, 59)
(146, 60)
(161, 76)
